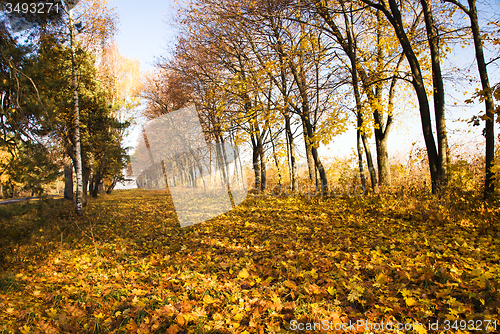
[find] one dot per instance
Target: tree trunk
(276, 162)
(221, 161)
(360, 159)
(309, 157)
(238, 165)
(439, 96)
(394, 16)
(68, 183)
(78, 153)
(112, 185)
(321, 171)
(236, 159)
(86, 176)
(313, 162)
(360, 120)
(256, 167)
(348, 44)
(381, 134)
(369, 162)
(164, 171)
(489, 186)
(97, 182)
(314, 151)
(384, 175)
(263, 176)
(291, 152)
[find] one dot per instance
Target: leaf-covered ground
(264, 267)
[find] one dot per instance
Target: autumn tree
(486, 93)
(294, 57)
(218, 78)
(95, 24)
(101, 129)
(59, 70)
(165, 90)
(121, 83)
(375, 62)
(24, 123)
(437, 155)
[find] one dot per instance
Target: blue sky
(144, 31)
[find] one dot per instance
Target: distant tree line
(272, 73)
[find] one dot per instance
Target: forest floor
(271, 265)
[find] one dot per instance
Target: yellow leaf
(353, 296)
(199, 312)
(208, 300)
(380, 279)
(410, 301)
(332, 291)
(405, 292)
(476, 272)
(99, 316)
(290, 284)
(131, 326)
(137, 302)
(243, 274)
(52, 313)
(138, 292)
(25, 329)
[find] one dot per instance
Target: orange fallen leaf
(173, 329)
(180, 320)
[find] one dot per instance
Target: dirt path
(17, 200)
